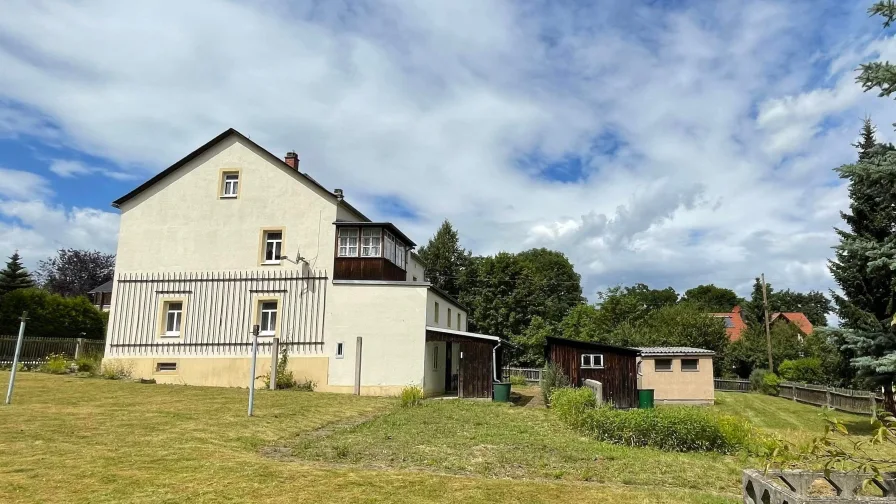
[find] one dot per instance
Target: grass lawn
(68, 439)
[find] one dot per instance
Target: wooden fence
(731, 385)
(843, 399)
(532, 375)
(36, 350)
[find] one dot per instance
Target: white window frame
(657, 369)
(388, 246)
(178, 318)
(231, 188)
(277, 247)
(371, 242)
(340, 350)
(587, 361)
(348, 242)
(696, 366)
(265, 328)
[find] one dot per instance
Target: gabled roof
(106, 287)
(662, 351)
(796, 318)
(211, 143)
(553, 340)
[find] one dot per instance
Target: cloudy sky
(671, 143)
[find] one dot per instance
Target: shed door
(475, 370)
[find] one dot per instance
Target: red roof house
(734, 323)
(796, 318)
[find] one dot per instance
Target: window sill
(271, 263)
(662, 370)
(690, 370)
(169, 336)
(592, 367)
(228, 196)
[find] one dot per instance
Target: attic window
(728, 323)
(231, 184)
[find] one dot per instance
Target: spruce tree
(445, 260)
(14, 276)
(864, 267)
(869, 139)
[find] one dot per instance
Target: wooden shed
(469, 361)
(615, 367)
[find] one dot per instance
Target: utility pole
(768, 333)
(15, 358)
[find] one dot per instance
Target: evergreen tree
(14, 276)
(445, 260)
(869, 139)
(865, 269)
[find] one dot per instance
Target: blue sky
(671, 143)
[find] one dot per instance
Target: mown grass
(73, 440)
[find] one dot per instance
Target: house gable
(177, 221)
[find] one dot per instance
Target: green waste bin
(645, 398)
(501, 392)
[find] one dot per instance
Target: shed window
(435, 358)
(449, 319)
(689, 365)
(593, 361)
(435, 313)
(340, 350)
(662, 365)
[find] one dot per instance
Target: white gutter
(495, 361)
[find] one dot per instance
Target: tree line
(55, 296)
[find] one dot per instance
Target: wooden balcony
(367, 268)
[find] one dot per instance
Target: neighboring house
(734, 323)
(796, 318)
(614, 367)
(678, 375)
(101, 297)
(232, 237)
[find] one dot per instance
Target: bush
(757, 378)
(56, 364)
(285, 378)
(89, 363)
(411, 396)
(518, 380)
(117, 370)
(552, 378)
(770, 383)
(677, 429)
(572, 404)
(805, 370)
(51, 315)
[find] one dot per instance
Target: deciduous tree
(75, 272)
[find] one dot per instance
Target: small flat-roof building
(678, 375)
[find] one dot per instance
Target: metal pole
(358, 366)
(252, 373)
(768, 333)
(275, 351)
(78, 343)
(15, 359)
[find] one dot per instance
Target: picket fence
(843, 399)
(532, 375)
(36, 350)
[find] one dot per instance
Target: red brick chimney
(292, 159)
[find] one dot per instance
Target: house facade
(231, 237)
(677, 375)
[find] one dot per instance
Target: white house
(231, 236)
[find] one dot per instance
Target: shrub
(672, 429)
(56, 364)
(518, 380)
(552, 378)
(757, 377)
(89, 363)
(805, 370)
(117, 370)
(572, 404)
(285, 378)
(50, 315)
(770, 383)
(411, 396)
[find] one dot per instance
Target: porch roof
(462, 334)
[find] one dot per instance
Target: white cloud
(37, 229)
(725, 127)
(23, 185)
(68, 168)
